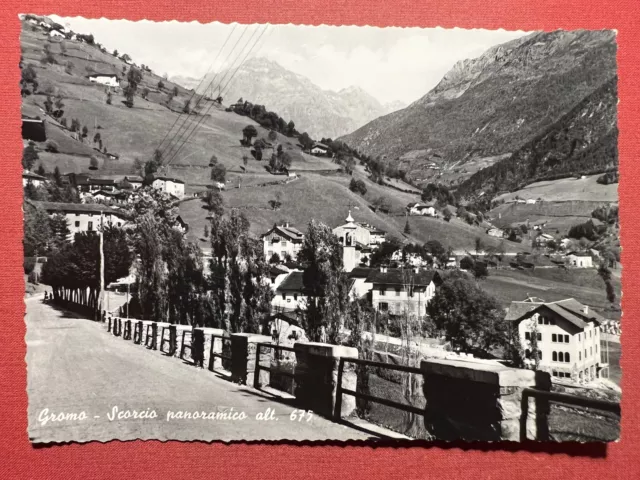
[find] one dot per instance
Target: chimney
(585, 310)
(286, 224)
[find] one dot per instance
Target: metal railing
(544, 397)
(258, 367)
(383, 401)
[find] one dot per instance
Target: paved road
(75, 366)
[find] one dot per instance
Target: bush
(357, 186)
(52, 146)
(93, 163)
(29, 264)
(275, 259)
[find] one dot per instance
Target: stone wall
(475, 400)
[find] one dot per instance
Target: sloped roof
(371, 228)
(32, 176)
(168, 179)
(101, 181)
(134, 178)
(77, 208)
(360, 272)
(292, 282)
(287, 231)
(399, 276)
(569, 309)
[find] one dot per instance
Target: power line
(168, 152)
(199, 84)
(231, 78)
(180, 133)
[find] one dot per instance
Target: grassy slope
(135, 133)
(565, 189)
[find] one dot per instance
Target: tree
(215, 203)
(275, 259)
(37, 231)
(175, 91)
(206, 230)
(480, 270)
(93, 163)
(145, 93)
(291, 128)
(59, 231)
(272, 136)
(471, 320)
(52, 146)
(109, 98)
(407, 228)
(160, 85)
(305, 141)
(85, 132)
(324, 282)
(358, 186)
(40, 170)
(48, 104)
(245, 160)
(134, 77)
(248, 133)
(96, 137)
(29, 156)
(75, 125)
(446, 214)
(466, 263)
(213, 160)
(605, 274)
(115, 53)
(68, 68)
(218, 173)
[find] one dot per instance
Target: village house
(107, 196)
(421, 209)
(359, 286)
(277, 273)
(283, 240)
(567, 333)
(319, 149)
(543, 239)
(290, 294)
(376, 236)
(83, 217)
(579, 260)
(56, 33)
(104, 184)
(134, 180)
(172, 186)
(397, 290)
(108, 79)
(363, 233)
(32, 178)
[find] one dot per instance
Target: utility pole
(101, 297)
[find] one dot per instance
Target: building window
(579, 355)
(295, 296)
(566, 339)
(554, 356)
(591, 351)
(77, 224)
(539, 320)
(539, 337)
(578, 337)
(585, 353)
(397, 292)
(90, 226)
(527, 335)
(383, 306)
(284, 296)
(567, 357)
(383, 291)
(554, 338)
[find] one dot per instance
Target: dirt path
(75, 366)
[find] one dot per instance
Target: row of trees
(269, 120)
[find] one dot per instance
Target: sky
(392, 64)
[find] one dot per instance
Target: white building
(495, 232)
(82, 217)
(421, 209)
(567, 333)
(290, 294)
(32, 178)
(319, 149)
(579, 260)
(359, 286)
(134, 180)
(397, 290)
(56, 33)
(108, 79)
(172, 186)
(283, 240)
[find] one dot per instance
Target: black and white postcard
(308, 233)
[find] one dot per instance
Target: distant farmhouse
(319, 149)
(290, 294)
(283, 240)
(421, 209)
(83, 217)
(134, 180)
(580, 260)
(567, 333)
(172, 186)
(108, 79)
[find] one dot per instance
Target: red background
(153, 459)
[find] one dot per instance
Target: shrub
(275, 259)
(52, 146)
(68, 68)
(93, 163)
(357, 186)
